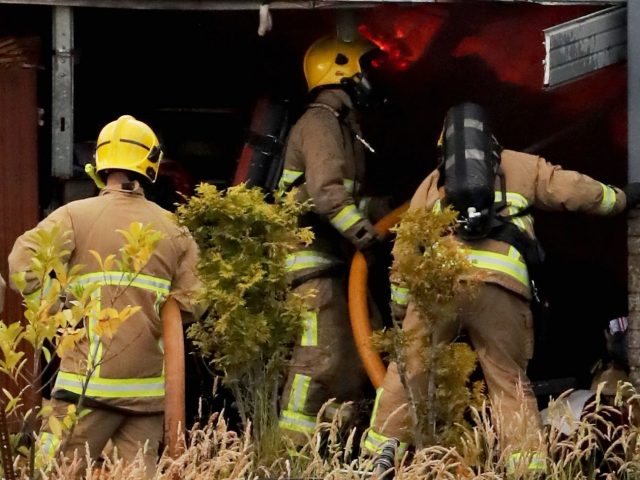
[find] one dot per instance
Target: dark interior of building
(196, 76)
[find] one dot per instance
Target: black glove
(632, 192)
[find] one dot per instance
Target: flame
(405, 37)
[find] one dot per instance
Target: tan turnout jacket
(323, 146)
(130, 365)
(530, 180)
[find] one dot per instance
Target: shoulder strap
(340, 115)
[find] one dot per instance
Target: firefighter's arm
(185, 285)
(558, 189)
(22, 253)
(323, 151)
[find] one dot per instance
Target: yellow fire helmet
(330, 60)
(128, 144)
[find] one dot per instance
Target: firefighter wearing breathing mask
(120, 377)
(325, 160)
(498, 238)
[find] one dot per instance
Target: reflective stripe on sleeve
(287, 178)
(608, 199)
(307, 259)
(399, 295)
(499, 263)
(346, 218)
(111, 387)
(310, 332)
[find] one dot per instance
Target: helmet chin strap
(91, 171)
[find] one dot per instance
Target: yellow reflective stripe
(346, 218)
(515, 203)
(310, 333)
(48, 443)
(348, 185)
(94, 354)
(499, 263)
(375, 441)
(111, 387)
(290, 176)
(513, 198)
(513, 252)
(297, 422)
(399, 295)
(307, 259)
(379, 392)
(608, 199)
(437, 207)
(536, 461)
(299, 392)
(287, 178)
(140, 280)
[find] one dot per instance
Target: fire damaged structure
(560, 78)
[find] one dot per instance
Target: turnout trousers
(500, 327)
(325, 363)
(94, 430)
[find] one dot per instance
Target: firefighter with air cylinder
(493, 190)
(325, 160)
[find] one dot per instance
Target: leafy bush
(429, 262)
(253, 317)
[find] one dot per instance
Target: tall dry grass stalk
(599, 448)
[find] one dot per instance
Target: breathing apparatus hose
(358, 307)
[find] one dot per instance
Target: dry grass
(599, 449)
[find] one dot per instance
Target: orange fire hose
(173, 338)
(358, 307)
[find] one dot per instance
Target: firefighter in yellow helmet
(325, 159)
(124, 392)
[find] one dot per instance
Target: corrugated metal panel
(584, 45)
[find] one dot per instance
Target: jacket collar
(129, 188)
(336, 98)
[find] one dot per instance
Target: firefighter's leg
(92, 431)
(500, 327)
(325, 362)
(391, 417)
(140, 433)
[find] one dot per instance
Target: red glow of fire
(404, 38)
(512, 44)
